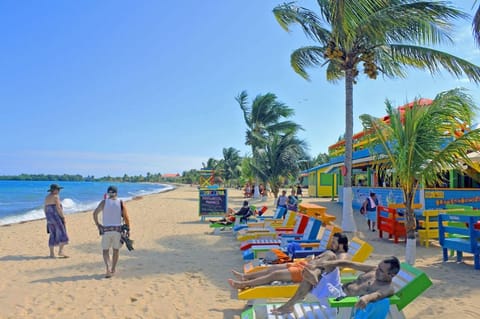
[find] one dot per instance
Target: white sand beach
(179, 269)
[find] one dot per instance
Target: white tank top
(112, 213)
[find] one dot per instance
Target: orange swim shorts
(296, 270)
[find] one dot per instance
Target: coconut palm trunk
(410, 226)
(348, 222)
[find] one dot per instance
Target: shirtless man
(374, 284)
(291, 271)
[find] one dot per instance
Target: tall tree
(265, 117)
(419, 145)
(384, 36)
(231, 163)
(279, 160)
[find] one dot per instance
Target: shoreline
(171, 187)
(179, 268)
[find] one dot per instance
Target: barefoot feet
(236, 284)
(238, 275)
(281, 310)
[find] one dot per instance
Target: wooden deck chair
(257, 249)
(323, 240)
(263, 220)
(267, 224)
(299, 228)
(273, 232)
(409, 283)
(287, 290)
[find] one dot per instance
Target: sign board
(212, 202)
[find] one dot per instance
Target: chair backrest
(312, 229)
(359, 250)
(325, 236)
(300, 224)
(289, 218)
(279, 212)
(409, 283)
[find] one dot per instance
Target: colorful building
(326, 180)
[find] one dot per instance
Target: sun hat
(112, 189)
(54, 187)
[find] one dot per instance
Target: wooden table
(317, 211)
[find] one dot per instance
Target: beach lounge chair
(409, 283)
(273, 232)
(266, 226)
(298, 230)
(323, 240)
(259, 246)
(287, 290)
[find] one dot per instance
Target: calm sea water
(23, 200)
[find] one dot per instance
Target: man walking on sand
(113, 211)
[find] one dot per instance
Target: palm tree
(385, 36)
(264, 119)
(279, 160)
(231, 163)
(419, 146)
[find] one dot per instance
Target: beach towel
(374, 310)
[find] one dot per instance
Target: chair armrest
(344, 302)
(307, 252)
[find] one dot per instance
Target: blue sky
(111, 87)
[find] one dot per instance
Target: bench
(428, 225)
(409, 283)
(458, 233)
(390, 222)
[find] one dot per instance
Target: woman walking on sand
(55, 221)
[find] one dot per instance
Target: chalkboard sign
(213, 202)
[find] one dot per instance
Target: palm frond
(476, 25)
(305, 57)
(289, 13)
(434, 61)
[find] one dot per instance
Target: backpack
(276, 256)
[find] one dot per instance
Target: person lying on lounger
(227, 220)
(374, 284)
(291, 271)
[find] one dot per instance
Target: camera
(126, 237)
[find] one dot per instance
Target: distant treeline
(153, 178)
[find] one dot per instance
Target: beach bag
(276, 256)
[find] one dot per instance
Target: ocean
(23, 200)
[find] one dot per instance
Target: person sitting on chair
(291, 271)
(373, 285)
(244, 212)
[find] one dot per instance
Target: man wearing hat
(113, 211)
